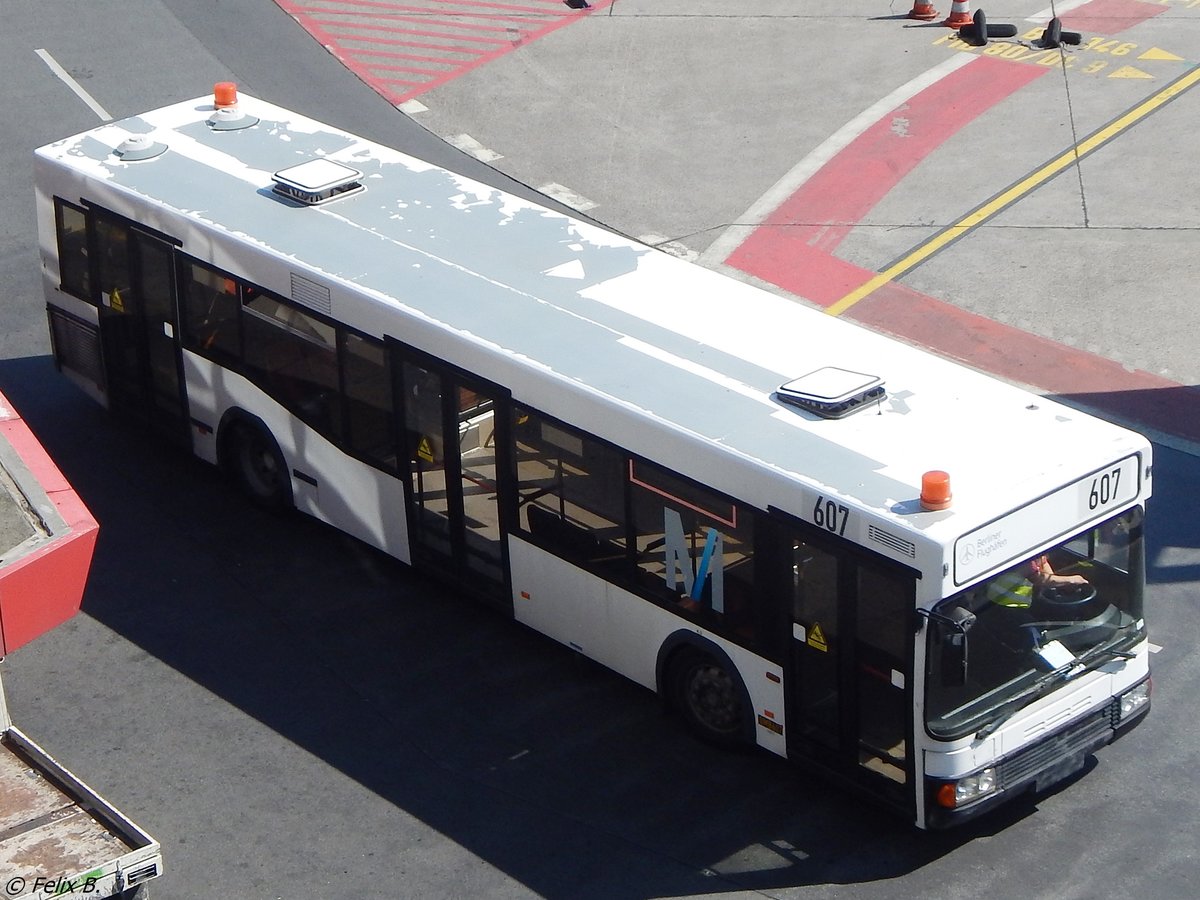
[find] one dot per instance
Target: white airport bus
(736, 501)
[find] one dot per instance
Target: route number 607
(830, 515)
(1104, 489)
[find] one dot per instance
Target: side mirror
(953, 626)
(954, 658)
(954, 647)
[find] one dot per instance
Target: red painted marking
(844, 190)
(1110, 16)
(394, 42)
(416, 32)
(463, 7)
(793, 248)
(343, 26)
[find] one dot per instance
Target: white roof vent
(230, 118)
(317, 181)
(831, 392)
(138, 147)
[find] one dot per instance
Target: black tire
(710, 698)
(257, 465)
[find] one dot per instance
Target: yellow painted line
(1010, 196)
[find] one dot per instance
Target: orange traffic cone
(923, 11)
(960, 14)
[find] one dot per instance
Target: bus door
(136, 282)
(450, 422)
(849, 703)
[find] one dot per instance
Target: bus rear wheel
(709, 697)
(257, 466)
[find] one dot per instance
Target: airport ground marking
(65, 77)
(1018, 190)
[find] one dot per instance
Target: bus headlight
(1135, 699)
(959, 793)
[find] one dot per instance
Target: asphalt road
(296, 716)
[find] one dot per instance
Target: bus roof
(558, 309)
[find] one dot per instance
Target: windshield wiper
(1091, 655)
(1033, 690)
(1089, 660)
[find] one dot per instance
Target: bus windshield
(999, 645)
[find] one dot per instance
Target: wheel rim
(260, 469)
(712, 698)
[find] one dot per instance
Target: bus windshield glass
(999, 645)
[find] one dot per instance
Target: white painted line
(74, 85)
(567, 197)
(1153, 648)
(734, 235)
(412, 107)
(1043, 16)
(468, 144)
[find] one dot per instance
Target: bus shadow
(559, 774)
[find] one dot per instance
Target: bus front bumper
(1042, 765)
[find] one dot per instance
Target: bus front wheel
(709, 697)
(257, 465)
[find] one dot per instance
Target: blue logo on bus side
(679, 561)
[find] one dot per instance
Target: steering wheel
(1069, 594)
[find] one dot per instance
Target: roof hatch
(831, 392)
(317, 181)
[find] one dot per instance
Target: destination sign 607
(1071, 508)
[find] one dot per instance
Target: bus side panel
(560, 600)
(625, 632)
(347, 494)
(47, 178)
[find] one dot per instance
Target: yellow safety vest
(1011, 589)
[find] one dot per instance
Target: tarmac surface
(295, 716)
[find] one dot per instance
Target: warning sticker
(816, 638)
(425, 449)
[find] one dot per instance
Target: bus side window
(695, 550)
(367, 379)
(817, 650)
(112, 263)
(73, 268)
(815, 586)
(884, 604)
(571, 498)
(293, 356)
(211, 313)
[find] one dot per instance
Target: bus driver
(1016, 587)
